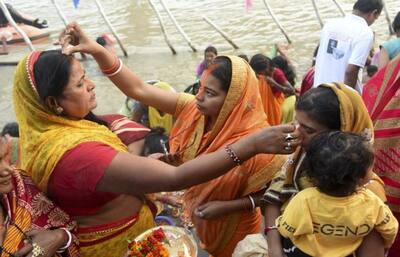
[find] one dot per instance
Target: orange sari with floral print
(241, 114)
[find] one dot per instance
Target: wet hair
(338, 162)
(221, 68)
(371, 70)
(281, 63)
(52, 71)
(211, 49)
(396, 23)
(367, 6)
(152, 142)
(101, 41)
(259, 63)
(11, 129)
(243, 56)
(321, 105)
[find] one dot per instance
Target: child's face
(308, 127)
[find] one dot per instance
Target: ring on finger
(289, 137)
(37, 250)
(288, 147)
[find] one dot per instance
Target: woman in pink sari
(382, 98)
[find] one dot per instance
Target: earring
(59, 110)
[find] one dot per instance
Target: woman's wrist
(65, 239)
(245, 148)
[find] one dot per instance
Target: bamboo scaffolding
(160, 21)
(100, 7)
(12, 22)
(178, 27)
(276, 21)
(317, 13)
(223, 34)
(339, 7)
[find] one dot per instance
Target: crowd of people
(313, 166)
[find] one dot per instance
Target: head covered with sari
(44, 135)
(382, 98)
(354, 118)
(241, 114)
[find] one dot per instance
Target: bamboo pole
(100, 7)
(317, 13)
(339, 7)
(12, 22)
(178, 27)
(276, 21)
(162, 27)
(60, 13)
(223, 34)
(387, 16)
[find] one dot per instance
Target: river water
(149, 56)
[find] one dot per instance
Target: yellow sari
(45, 137)
(241, 114)
(166, 120)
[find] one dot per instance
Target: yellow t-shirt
(327, 226)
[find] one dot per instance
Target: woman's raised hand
(75, 40)
(282, 139)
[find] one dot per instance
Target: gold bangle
(233, 155)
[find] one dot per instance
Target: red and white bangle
(68, 244)
(267, 229)
(114, 69)
(117, 71)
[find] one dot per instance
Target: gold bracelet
(233, 155)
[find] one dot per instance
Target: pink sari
(382, 98)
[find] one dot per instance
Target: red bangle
(267, 229)
(113, 68)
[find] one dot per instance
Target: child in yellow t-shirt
(332, 218)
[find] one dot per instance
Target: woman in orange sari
(382, 97)
(206, 128)
(273, 86)
(80, 163)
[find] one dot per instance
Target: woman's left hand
(49, 241)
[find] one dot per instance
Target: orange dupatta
(271, 101)
(241, 114)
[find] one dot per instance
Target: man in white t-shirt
(345, 44)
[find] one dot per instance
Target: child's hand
(210, 210)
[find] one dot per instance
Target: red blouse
(72, 185)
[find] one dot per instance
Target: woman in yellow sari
(75, 158)
(206, 128)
